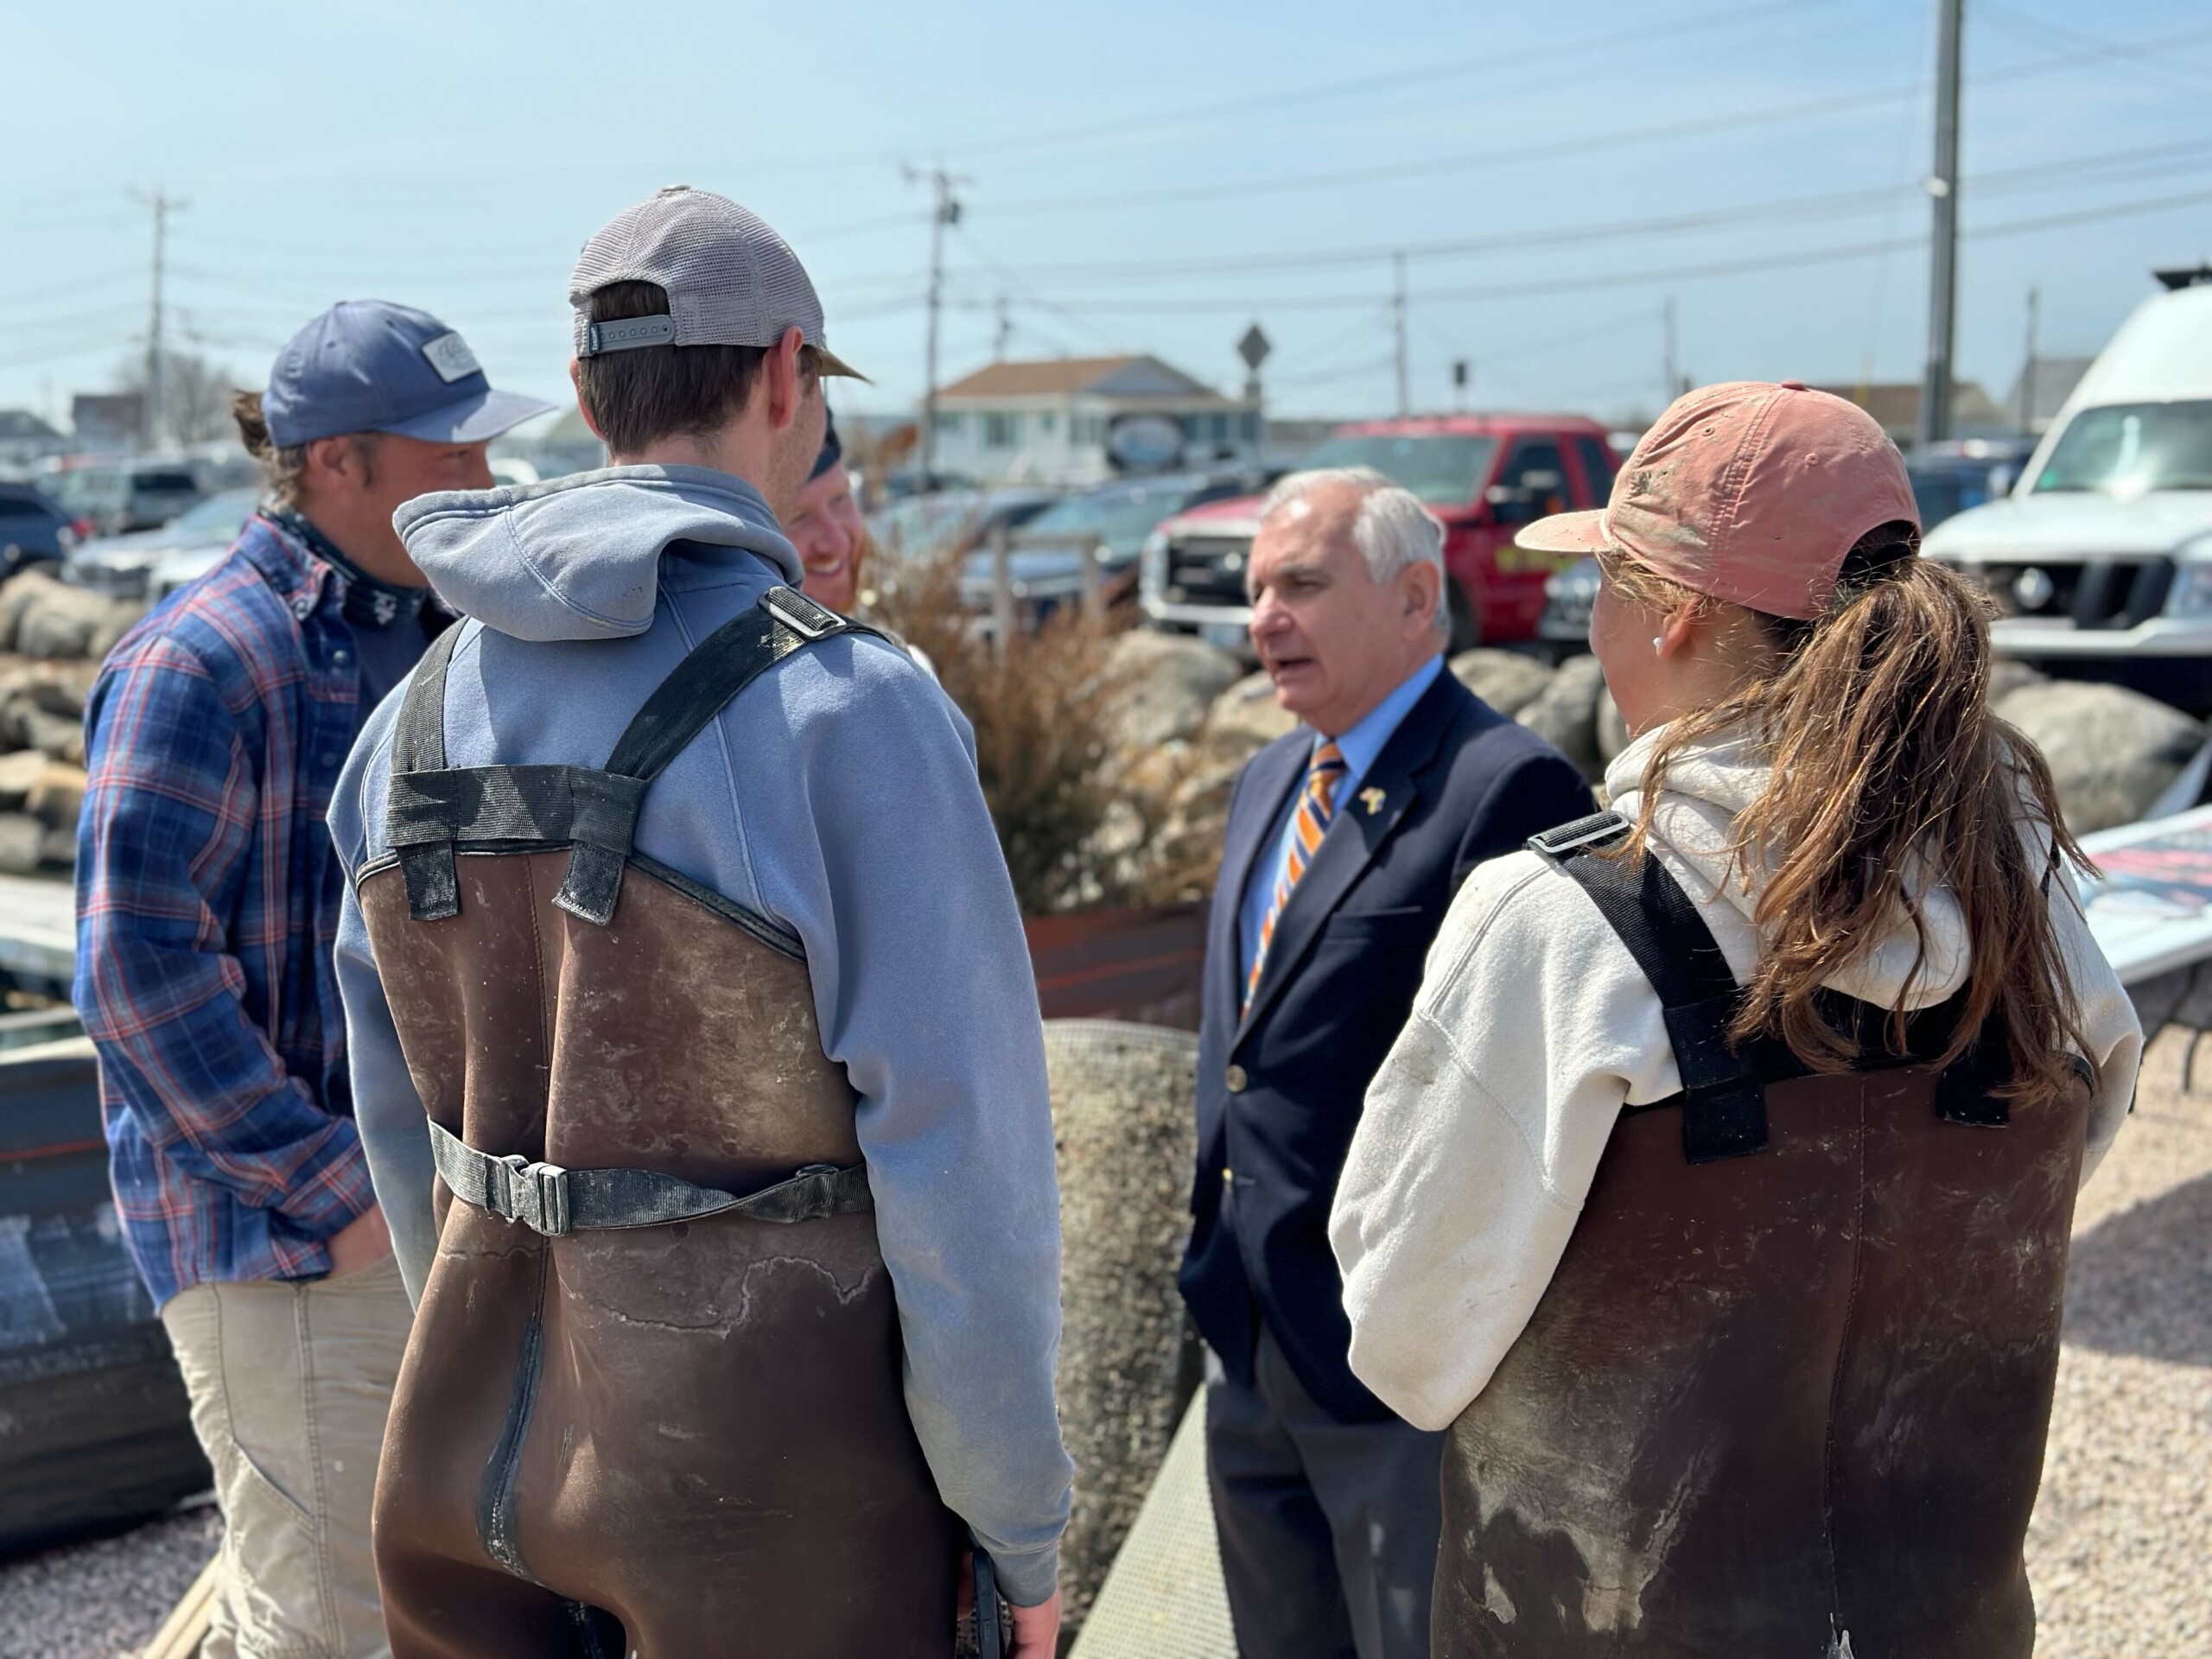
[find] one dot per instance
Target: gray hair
(1392, 530)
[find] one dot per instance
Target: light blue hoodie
(836, 798)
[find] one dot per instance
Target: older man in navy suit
(1346, 841)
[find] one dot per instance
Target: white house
(1080, 420)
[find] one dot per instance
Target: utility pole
(1005, 330)
(152, 418)
(1943, 241)
(2028, 364)
(945, 210)
(1398, 324)
(1670, 366)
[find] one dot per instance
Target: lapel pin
(1372, 800)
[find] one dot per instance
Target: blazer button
(1235, 1079)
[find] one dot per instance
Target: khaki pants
(289, 1385)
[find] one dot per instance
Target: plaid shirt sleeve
(164, 848)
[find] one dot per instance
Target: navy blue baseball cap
(368, 365)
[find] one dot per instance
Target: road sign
(1253, 348)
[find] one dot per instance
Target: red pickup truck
(1483, 475)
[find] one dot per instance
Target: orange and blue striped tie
(1317, 805)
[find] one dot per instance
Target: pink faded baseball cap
(1751, 492)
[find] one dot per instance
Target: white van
(2101, 558)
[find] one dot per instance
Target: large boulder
(25, 723)
(1123, 1129)
(59, 688)
(1507, 680)
(2112, 752)
(17, 594)
(57, 795)
(1247, 713)
(1166, 683)
(20, 773)
(2006, 676)
(1567, 713)
(22, 843)
(62, 621)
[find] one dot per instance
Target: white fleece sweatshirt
(1534, 1025)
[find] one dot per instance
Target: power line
(2113, 54)
(1578, 49)
(1383, 171)
(1662, 274)
(2036, 176)
(1621, 138)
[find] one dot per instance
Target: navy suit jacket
(1281, 1089)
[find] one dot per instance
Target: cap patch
(450, 356)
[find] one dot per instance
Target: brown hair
(642, 395)
(283, 467)
(1888, 766)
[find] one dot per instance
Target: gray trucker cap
(730, 279)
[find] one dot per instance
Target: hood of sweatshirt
(580, 558)
(1706, 786)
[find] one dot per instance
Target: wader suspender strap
(1724, 1087)
(1724, 1103)
(551, 1200)
(434, 809)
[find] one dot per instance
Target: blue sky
(1139, 177)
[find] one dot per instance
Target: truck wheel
(1466, 632)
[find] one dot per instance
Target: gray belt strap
(551, 1200)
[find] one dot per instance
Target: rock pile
(52, 638)
(2112, 752)
(1124, 1122)
(2115, 753)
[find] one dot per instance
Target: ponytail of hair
(1890, 775)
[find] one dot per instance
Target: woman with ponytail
(1716, 1196)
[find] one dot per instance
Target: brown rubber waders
(693, 1429)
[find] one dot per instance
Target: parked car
(34, 526)
(125, 495)
(122, 565)
(1948, 479)
(2101, 558)
(916, 527)
(1482, 475)
(1045, 556)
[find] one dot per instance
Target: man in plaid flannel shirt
(207, 897)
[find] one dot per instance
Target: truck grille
(2094, 593)
(1207, 571)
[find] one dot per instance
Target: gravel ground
(2120, 1552)
(105, 1599)
(2122, 1537)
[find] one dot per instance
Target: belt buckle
(534, 1194)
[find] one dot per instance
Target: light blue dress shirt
(1359, 747)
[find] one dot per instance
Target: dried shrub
(1077, 820)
